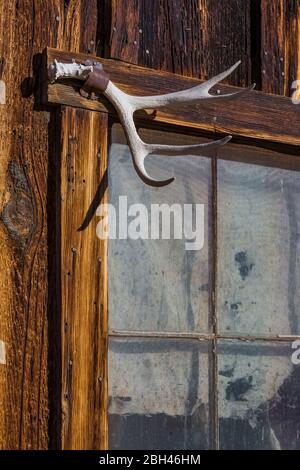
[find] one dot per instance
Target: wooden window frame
(256, 118)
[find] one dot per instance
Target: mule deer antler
(96, 80)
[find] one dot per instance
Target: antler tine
(194, 94)
(139, 155)
(140, 150)
(159, 149)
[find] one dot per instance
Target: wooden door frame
(256, 118)
(83, 279)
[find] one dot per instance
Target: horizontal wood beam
(255, 115)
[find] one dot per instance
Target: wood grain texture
(83, 280)
(280, 45)
(25, 144)
(196, 38)
(255, 115)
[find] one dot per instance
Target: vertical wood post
(83, 274)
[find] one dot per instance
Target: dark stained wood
(280, 46)
(125, 36)
(78, 25)
(188, 37)
(255, 115)
(83, 280)
(26, 28)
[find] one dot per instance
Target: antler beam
(97, 81)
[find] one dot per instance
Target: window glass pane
(158, 285)
(259, 399)
(258, 250)
(158, 394)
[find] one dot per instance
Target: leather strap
(96, 82)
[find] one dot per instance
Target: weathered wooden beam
(255, 115)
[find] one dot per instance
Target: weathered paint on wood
(83, 278)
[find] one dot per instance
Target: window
(197, 356)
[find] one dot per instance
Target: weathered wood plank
(280, 45)
(255, 115)
(26, 193)
(77, 30)
(83, 280)
(23, 230)
(188, 37)
(125, 35)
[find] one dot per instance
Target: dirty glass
(259, 399)
(163, 392)
(258, 250)
(158, 394)
(158, 285)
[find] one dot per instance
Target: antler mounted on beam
(96, 81)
